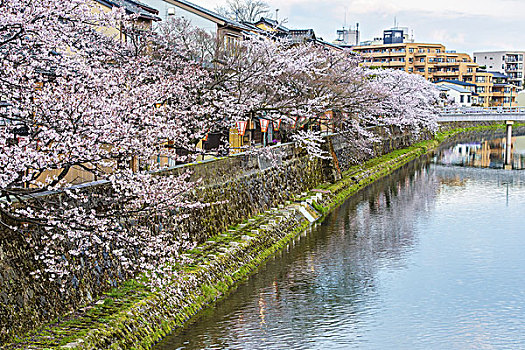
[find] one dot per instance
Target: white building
(348, 37)
(509, 63)
(520, 100)
(456, 94)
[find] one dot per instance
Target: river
(431, 257)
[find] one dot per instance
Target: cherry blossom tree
(75, 100)
(409, 101)
(78, 101)
(272, 79)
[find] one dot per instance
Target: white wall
(492, 60)
(520, 100)
(456, 96)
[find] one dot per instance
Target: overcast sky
(461, 25)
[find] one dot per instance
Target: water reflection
(487, 153)
(430, 258)
(316, 293)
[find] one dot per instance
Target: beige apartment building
(435, 63)
(431, 61)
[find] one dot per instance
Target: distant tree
(245, 10)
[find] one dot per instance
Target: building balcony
(396, 64)
(446, 64)
(454, 73)
(397, 53)
(446, 76)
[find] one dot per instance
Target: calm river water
(432, 257)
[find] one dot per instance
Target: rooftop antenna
(276, 15)
(395, 22)
(344, 25)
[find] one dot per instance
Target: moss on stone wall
(133, 316)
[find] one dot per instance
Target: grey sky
(462, 25)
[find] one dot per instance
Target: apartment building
(490, 89)
(436, 64)
(432, 61)
(510, 63)
(504, 93)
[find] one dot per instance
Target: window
(231, 43)
(438, 50)
(520, 58)
(462, 99)
(411, 50)
(469, 99)
(422, 59)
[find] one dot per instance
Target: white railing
(482, 110)
(482, 114)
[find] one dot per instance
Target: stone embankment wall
(248, 184)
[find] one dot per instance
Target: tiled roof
(198, 10)
(456, 88)
(272, 23)
(498, 75)
(456, 82)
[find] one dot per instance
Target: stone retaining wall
(250, 184)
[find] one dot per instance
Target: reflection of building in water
(453, 181)
(485, 154)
